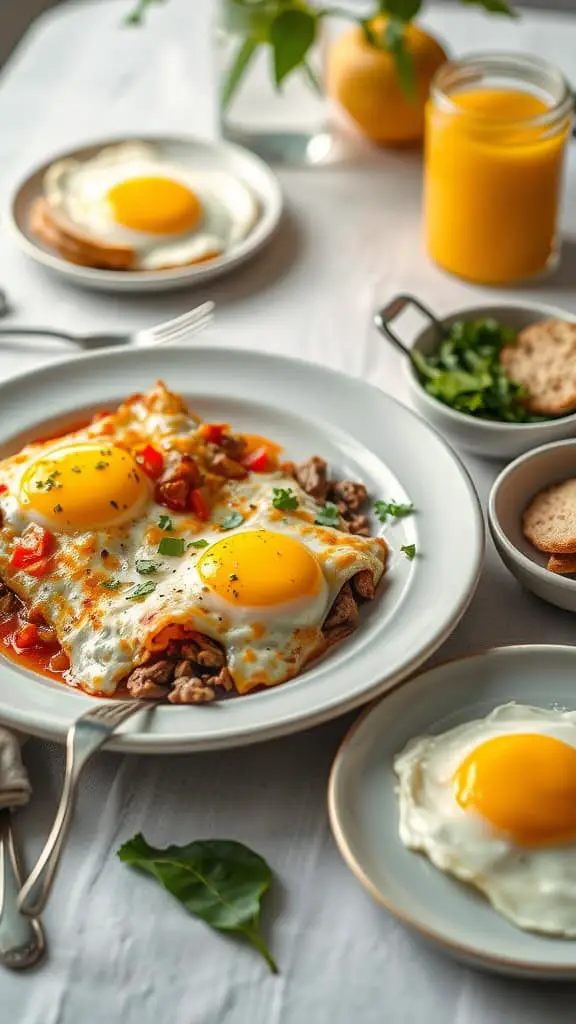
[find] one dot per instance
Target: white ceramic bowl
(511, 493)
(483, 437)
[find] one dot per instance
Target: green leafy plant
(218, 880)
(289, 29)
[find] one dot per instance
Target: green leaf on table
(218, 880)
(237, 70)
(395, 43)
(404, 10)
(292, 33)
(493, 7)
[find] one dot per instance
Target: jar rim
(500, 61)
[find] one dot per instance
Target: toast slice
(543, 360)
(549, 522)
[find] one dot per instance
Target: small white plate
(192, 153)
(364, 810)
(365, 435)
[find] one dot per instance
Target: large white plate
(366, 435)
(364, 808)
(192, 153)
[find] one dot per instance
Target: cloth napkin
(15, 788)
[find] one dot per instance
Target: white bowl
(483, 437)
(511, 493)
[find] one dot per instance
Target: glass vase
(286, 124)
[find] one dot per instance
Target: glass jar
(286, 124)
(497, 126)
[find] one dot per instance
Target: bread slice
(564, 565)
(549, 522)
(543, 360)
(75, 247)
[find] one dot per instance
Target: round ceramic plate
(191, 153)
(364, 810)
(365, 435)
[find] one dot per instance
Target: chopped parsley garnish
(284, 498)
(101, 465)
(165, 523)
(146, 567)
(231, 520)
(465, 372)
(50, 482)
(58, 508)
(233, 576)
(111, 584)
(383, 509)
(409, 550)
(141, 590)
(328, 515)
(171, 546)
(198, 544)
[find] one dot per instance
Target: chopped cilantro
(165, 523)
(146, 567)
(328, 515)
(231, 520)
(409, 550)
(171, 546)
(284, 498)
(101, 465)
(198, 544)
(141, 590)
(111, 584)
(383, 509)
(58, 507)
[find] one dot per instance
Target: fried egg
(126, 576)
(493, 802)
(168, 214)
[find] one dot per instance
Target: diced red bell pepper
(256, 461)
(26, 636)
(199, 505)
(35, 544)
(152, 461)
(213, 432)
(39, 568)
(3, 488)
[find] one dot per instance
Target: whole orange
(364, 80)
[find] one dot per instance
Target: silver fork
(84, 737)
(170, 331)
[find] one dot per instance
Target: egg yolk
(159, 206)
(523, 784)
(260, 567)
(83, 486)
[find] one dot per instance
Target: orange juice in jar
(497, 126)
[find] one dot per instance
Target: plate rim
(153, 280)
(146, 742)
(460, 950)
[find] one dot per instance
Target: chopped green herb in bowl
(466, 374)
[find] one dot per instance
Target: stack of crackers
(549, 523)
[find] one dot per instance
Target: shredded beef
(234, 447)
(190, 690)
(181, 476)
(363, 585)
(7, 602)
(228, 468)
(353, 495)
(344, 611)
(312, 476)
(174, 494)
(359, 525)
(150, 681)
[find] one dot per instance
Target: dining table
(119, 948)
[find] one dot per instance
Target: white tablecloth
(120, 949)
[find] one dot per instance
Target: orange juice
(493, 177)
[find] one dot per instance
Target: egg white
(78, 192)
(535, 888)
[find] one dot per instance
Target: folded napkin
(15, 788)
